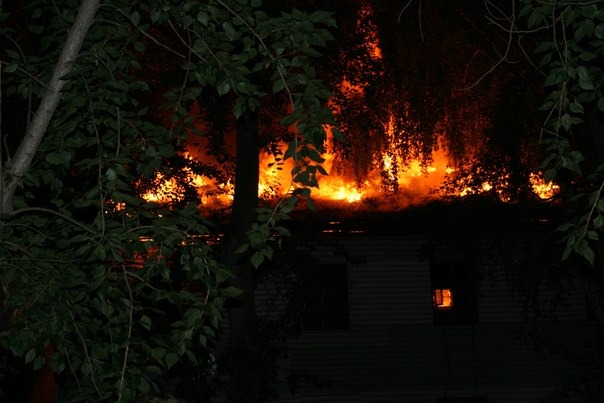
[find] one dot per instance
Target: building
(390, 313)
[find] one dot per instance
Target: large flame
(390, 184)
(416, 183)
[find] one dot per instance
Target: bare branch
(85, 350)
(130, 323)
(403, 11)
(63, 216)
(504, 58)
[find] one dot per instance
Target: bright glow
(442, 298)
(541, 188)
(167, 190)
(392, 181)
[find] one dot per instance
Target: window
(454, 293)
(442, 298)
(325, 297)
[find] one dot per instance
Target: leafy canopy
(122, 290)
(571, 51)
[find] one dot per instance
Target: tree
(572, 51)
(116, 290)
(568, 38)
(419, 86)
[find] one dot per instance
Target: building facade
(386, 317)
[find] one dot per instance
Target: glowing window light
(442, 298)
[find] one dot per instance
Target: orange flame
(545, 190)
(414, 181)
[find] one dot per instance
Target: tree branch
(22, 159)
(50, 211)
(130, 323)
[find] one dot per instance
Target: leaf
(535, 17)
(576, 107)
(599, 31)
(223, 88)
(238, 108)
(136, 18)
(241, 249)
(158, 353)
(543, 46)
(257, 259)
(231, 292)
(268, 252)
(566, 253)
(10, 68)
(99, 351)
(100, 253)
(170, 360)
(585, 251)
(203, 18)
(146, 322)
(282, 231)
(38, 363)
(30, 355)
(278, 85)
(144, 385)
(601, 104)
(55, 158)
(586, 84)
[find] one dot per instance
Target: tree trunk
(245, 372)
(15, 168)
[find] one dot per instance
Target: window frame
(461, 278)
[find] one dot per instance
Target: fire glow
(416, 184)
(442, 298)
(391, 182)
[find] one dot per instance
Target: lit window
(454, 292)
(442, 298)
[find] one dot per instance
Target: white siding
(394, 353)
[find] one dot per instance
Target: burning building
(393, 311)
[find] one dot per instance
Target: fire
(394, 180)
(545, 190)
(169, 190)
(442, 298)
(415, 181)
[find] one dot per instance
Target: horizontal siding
(390, 293)
(488, 359)
(496, 305)
(393, 352)
(271, 298)
(392, 285)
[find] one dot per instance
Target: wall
(394, 352)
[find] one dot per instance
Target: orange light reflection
(442, 298)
